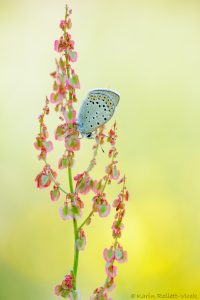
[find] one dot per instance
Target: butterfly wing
(96, 110)
(112, 94)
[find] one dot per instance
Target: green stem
(105, 185)
(70, 180)
(76, 251)
(88, 217)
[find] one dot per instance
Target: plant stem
(89, 216)
(76, 251)
(105, 184)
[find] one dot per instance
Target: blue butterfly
(96, 110)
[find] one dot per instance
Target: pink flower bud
(67, 282)
(38, 143)
(55, 194)
(81, 241)
(61, 132)
(63, 24)
(76, 212)
(109, 254)
(48, 146)
(54, 98)
(44, 178)
(73, 56)
(104, 209)
(63, 162)
(70, 116)
(72, 143)
(56, 45)
(126, 196)
(65, 213)
(73, 82)
(58, 290)
(110, 285)
(111, 270)
(115, 173)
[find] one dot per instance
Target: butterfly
(96, 110)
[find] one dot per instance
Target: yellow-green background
(150, 52)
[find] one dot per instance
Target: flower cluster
(44, 178)
(65, 289)
(41, 143)
(100, 294)
(101, 205)
(111, 169)
(119, 205)
(115, 253)
(72, 207)
(66, 161)
(63, 98)
(81, 241)
(99, 138)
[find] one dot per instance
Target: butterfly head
(88, 135)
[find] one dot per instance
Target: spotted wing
(96, 110)
(112, 94)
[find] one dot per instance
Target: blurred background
(149, 51)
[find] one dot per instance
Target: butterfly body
(96, 110)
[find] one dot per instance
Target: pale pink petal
(115, 173)
(73, 56)
(109, 254)
(104, 210)
(56, 45)
(74, 82)
(70, 116)
(55, 195)
(65, 213)
(48, 146)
